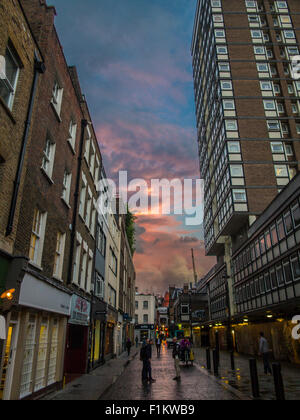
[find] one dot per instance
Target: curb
(228, 387)
(126, 364)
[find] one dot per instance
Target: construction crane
(194, 268)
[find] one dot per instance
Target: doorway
(10, 349)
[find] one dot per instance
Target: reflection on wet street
(194, 384)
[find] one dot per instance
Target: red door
(76, 351)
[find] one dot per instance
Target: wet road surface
(194, 384)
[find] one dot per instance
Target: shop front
(143, 332)
(33, 351)
(76, 358)
(97, 333)
(111, 334)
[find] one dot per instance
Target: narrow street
(194, 384)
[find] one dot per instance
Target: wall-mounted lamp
(9, 294)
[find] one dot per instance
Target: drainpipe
(84, 124)
(39, 68)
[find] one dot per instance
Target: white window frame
(59, 255)
(10, 85)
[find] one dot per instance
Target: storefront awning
(2, 328)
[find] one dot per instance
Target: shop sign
(2, 328)
(38, 294)
(80, 311)
(145, 327)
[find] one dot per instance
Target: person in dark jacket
(176, 357)
(145, 356)
(128, 346)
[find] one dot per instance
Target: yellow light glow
(9, 294)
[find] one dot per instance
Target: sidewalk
(240, 379)
(92, 386)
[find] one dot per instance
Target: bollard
(278, 381)
(216, 362)
(254, 378)
(208, 359)
(232, 360)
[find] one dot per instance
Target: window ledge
(7, 110)
(49, 179)
(58, 278)
(36, 266)
(65, 203)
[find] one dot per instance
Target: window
(280, 229)
(295, 266)
(112, 296)
(57, 95)
(136, 304)
(296, 214)
(259, 50)
(273, 125)
(288, 222)
(274, 235)
(145, 319)
(76, 265)
(59, 255)
(263, 67)
(224, 67)
(277, 147)
(234, 147)
(219, 33)
(231, 125)
(72, 134)
(83, 268)
(253, 19)
(48, 157)
(222, 50)
(113, 262)
(145, 304)
(236, 170)
(185, 309)
(228, 104)
(269, 105)
(282, 4)
(281, 171)
(289, 34)
(266, 86)
(250, 4)
(67, 187)
(239, 196)
(8, 84)
(287, 271)
(216, 3)
(37, 237)
(218, 18)
(256, 34)
(99, 286)
(226, 85)
(82, 197)
(101, 241)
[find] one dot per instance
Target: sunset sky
(134, 63)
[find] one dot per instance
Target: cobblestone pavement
(194, 384)
(240, 379)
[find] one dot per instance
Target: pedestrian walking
(158, 346)
(145, 357)
(128, 346)
(136, 342)
(176, 357)
(264, 350)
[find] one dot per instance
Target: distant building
(145, 316)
